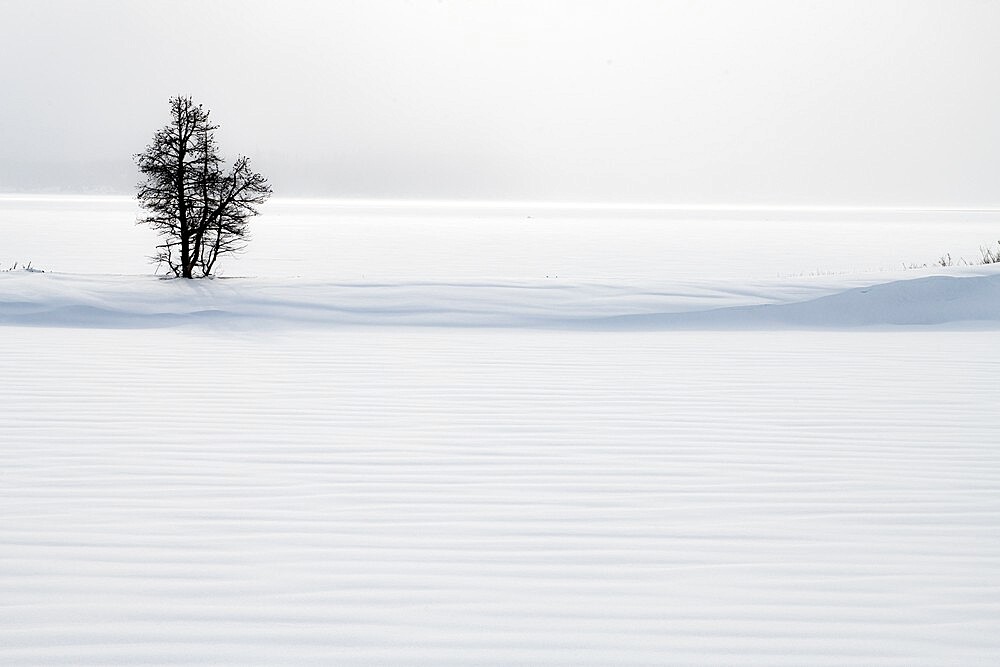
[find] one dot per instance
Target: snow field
(456, 437)
(430, 496)
(347, 242)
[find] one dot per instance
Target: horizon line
(540, 203)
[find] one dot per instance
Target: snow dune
(88, 301)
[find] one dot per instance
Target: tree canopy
(199, 208)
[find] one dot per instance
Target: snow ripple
(486, 496)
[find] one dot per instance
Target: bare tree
(199, 210)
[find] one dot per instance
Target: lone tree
(199, 210)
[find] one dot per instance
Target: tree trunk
(182, 213)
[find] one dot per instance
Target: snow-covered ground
(458, 435)
(448, 242)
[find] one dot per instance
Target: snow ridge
(144, 302)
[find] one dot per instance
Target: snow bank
(31, 299)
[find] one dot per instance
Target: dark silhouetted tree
(199, 209)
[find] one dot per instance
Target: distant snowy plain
(462, 435)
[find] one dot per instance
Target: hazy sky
(787, 103)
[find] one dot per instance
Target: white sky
(786, 103)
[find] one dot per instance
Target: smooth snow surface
(477, 464)
(454, 243)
